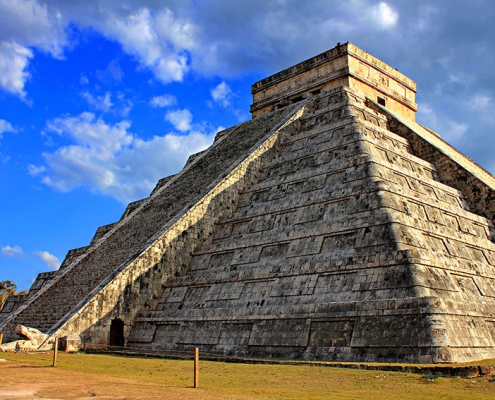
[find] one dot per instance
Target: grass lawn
(93, 376)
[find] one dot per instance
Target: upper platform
(344, 65)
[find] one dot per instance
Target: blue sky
(101, 98)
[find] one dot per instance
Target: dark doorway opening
(117, 333)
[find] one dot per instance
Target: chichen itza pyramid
(330, 226)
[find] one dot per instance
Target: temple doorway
(117, 332)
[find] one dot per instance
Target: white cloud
(180, 119)
(50, 260)
(427, 112)
(102, 103)
(165, 100)
(124, 106)
(119, 105)
(140, 166)
(157, 40)
(481, 105)
(14, 252)
(85, 128)
(222, 94)
(85, 162)
(173, 39)
(31, 24)
(13, 62)
(26, 24)
(455, 130)
(448, 129)
(154, 35)
(111, 160)
(6, 126)
(34, 170)
(384, 15)
(83, 80)
(481, 101)
(113, 73)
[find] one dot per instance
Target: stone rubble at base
(34, 340)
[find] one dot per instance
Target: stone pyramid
(331, 226)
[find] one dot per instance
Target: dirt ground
(22, 381)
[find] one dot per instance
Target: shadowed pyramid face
(332, 228)
(339, 251)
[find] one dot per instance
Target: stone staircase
(114, 247)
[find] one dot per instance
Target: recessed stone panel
(166, 334)
(280, 332)
(257, 289)
(339, 242)
(294, 286)
(246, 255)
(199, 333)
(331, 333)
(485, 285)
(274, 252)
(143, 333)
(221, 260)
(222, 291)
(222, 231)
(235, 334)
(336, 209)
(174, 294)
(467, 286)
(335, 283)
(305, 246)
(452, 222)
(311, 213)
(261, 223)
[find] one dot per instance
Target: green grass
(221, 380)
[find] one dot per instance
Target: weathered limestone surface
(349, 247)
(331, 226)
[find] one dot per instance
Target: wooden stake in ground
(55, 350)
(1, 338)
(196, 367)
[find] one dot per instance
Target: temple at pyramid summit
(330, 226)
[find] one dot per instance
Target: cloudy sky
(101, 98)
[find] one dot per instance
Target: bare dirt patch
(23, 380)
